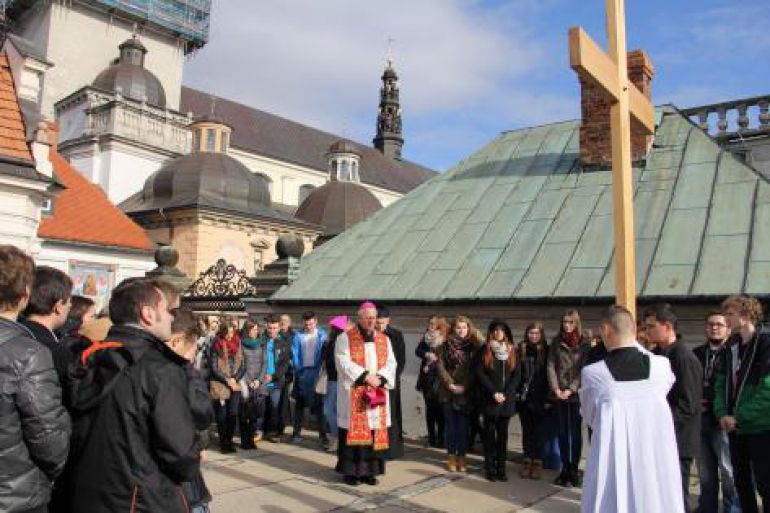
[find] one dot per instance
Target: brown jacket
(565, 364)
(462, 375)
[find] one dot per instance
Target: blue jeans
(330, 407)
(570, 433)
(457, 424)
(551, 454)
(715, 460)
(275, 406)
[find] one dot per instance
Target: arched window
(304, 192)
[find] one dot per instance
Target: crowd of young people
(139, 386)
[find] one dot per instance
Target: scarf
(457, 351)
(570, 338)
(434, 338)
(251, 343)
(501, 351)
(222, 345)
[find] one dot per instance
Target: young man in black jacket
(715, 449)
(47, 311)
(134, 437)
(34, 427)
(685, 397)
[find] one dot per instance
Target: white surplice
(348, 372)
(633, 464)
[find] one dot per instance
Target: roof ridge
(302, 125)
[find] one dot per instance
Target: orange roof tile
(83, 213)
(13, 141)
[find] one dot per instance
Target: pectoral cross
(609, 72)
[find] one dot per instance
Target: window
(196, 141)
(304, 192)
(224, 142)
(46, 207)
(211, 139)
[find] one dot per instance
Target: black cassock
(395, 431)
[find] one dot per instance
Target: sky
(469, 69)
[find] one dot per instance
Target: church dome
(129, 77)
(337, 206)
(206, 179)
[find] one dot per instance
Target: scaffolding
(185, 19)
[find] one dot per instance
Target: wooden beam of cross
(609, 72)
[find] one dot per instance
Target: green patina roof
(521, 219)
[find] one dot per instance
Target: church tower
(389, 138)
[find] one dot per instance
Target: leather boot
(451, 464)
(537, 469)
(461, 464)
(526, 469)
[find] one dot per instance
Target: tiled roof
(520, 219)
(265, 134)
(82, 213)
(13, 141)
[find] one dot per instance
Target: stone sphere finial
(289, 245)
(166, 256)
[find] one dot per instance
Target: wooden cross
(610, 73)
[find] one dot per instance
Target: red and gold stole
(359, 432)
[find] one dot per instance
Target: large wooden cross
(610, 73)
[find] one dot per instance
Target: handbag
(375, 397)
(321, 382)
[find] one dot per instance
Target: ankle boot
(461, 464)
(537, 469)
(526, 469)
(451, 464)
(490, 472)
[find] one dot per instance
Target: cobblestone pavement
(283, 478)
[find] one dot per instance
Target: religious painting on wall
(94, 281)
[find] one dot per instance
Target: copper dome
(337, 206)
(129, 76)
(212, 180)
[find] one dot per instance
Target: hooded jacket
(34, 427)
(134, 436)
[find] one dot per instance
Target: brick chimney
(595, 137)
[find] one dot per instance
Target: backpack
(82, 377)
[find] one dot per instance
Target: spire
(389, 138)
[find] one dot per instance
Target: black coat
(34, 427)
(203, 415)
(132, 409)
(685, 397)
(62, 356)
(710, 362)
(534, 389)
(497, 379)
(395, 433)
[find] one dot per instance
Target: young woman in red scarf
(227, 368)
(567, 355)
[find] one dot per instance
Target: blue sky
(469, 69)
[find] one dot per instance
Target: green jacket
(753, 399)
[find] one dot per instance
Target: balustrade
(744, 118)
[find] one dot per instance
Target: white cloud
(319, 62)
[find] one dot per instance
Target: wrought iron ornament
(222, 280)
